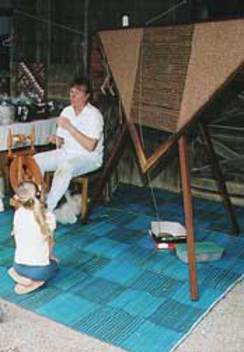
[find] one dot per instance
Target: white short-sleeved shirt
(31, 246)
(89, 122)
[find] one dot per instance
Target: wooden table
(43, 128)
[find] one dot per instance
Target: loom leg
(187, 199)
(219, 177)
(84, 199)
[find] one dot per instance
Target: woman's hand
(56, 140)
(64, 123)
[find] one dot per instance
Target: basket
(205, 251)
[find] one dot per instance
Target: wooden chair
(83, 182)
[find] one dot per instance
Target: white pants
(65, 166)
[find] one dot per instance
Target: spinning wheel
(22, 164)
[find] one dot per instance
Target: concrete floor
(222, 330)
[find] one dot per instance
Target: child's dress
(32, 254)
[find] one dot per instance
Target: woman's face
(78, 95)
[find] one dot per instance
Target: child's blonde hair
(27, 196)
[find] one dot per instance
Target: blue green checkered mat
(114, 285)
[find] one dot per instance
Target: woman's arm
(85, 141)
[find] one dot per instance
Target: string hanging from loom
(172, 9)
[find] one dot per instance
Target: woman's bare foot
(25, 281)
(21, 290)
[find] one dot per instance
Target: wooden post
(10, 143)
(86, 37)
(219, 177)
(49, 34)
(39, 31)
(187, 199)
(84, 199)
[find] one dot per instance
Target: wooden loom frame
(146, 163)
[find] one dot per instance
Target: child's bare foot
(25, 281)
(21, 290)
(52, 257)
